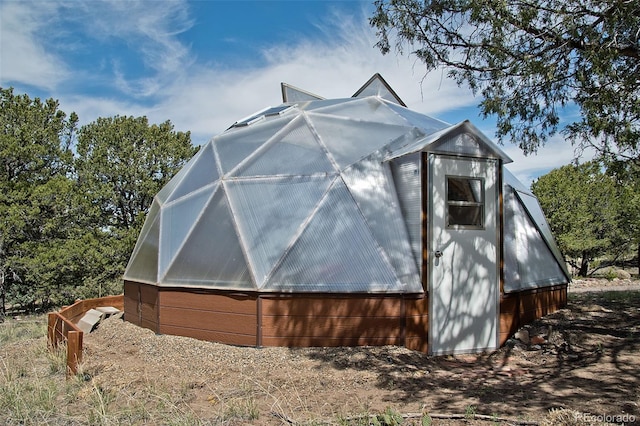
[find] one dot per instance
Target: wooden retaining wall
(61, 326)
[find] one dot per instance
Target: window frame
(480, 204)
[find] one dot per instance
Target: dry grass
(139, 383)
(34, 389)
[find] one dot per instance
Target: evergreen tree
(68, 225)
(529, 59)
(122, 162)
(35, 193)
(588, 211)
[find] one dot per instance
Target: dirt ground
(584, 358)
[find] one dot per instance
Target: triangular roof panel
(202, 172)
(427, 124)
(267, 228)
(176, 180)
(294, 152)
(366, 109)
(529, 261)
(377, 86)
(349, 140)
(534, 210)
(370, 184)
(212, 256)
(291, 94)
(335, 253)
(233, 146)
(531, 207)
(143, 264)
(177, 220)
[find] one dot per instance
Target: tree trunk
(3, 311)
(584, 266)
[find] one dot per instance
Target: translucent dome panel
(371, 185)
(426, 123)
(530, 203)
(349, 140)
(211, 256)
(235, 145)
(269, 213)
(177, 219)
(367, 109)
(529, 263)
(294, 153)
(166, 191)
(317, 105)
(377, 86)
(294, 94)
(143, 265)
(202, 172)
(335, 253)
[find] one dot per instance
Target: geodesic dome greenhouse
(315, 204)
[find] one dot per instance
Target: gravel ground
(578, 366)
(598, 284)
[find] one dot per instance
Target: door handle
(438, 255)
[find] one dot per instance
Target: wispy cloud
(23, 58)
(36, 36)
(149, 30)
(206, 98)
(557, 152)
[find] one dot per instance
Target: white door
(463, 254)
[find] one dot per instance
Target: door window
(465, 202)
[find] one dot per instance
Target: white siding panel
(407, 178)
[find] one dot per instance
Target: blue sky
(205, 64)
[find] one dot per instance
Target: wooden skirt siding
(334, 320)
(227, 318)
(299, 320)
(219, 317)
(141, 305)
(521, 308)
(303, 320)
